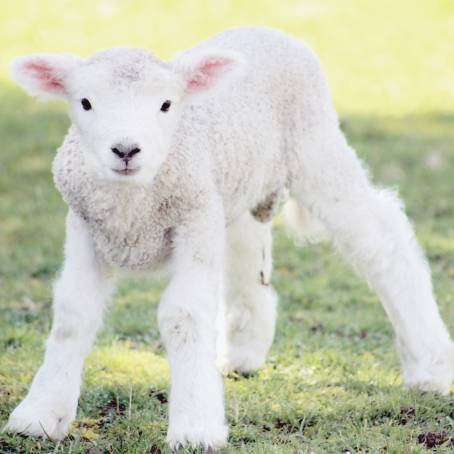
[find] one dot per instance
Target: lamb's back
(249, 128)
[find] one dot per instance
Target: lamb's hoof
(40, 419)
(208, 436)
(426, 381)
(244, 360)
(436, 377)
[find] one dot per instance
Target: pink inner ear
(45, 76)
(207, 73)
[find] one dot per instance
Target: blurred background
(390, 66)
(388, 57)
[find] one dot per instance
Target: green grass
(332, 380)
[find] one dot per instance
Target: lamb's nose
(125, 152)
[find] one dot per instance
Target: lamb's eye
(166, 106)
(85, 104)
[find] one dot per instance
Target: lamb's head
(126, 103)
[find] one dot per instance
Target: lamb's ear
(44, 75)
(208, 69)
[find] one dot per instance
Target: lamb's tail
(302, 226)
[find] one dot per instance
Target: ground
(332, 381)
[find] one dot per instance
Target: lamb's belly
(133, 252)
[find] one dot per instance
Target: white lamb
(180, 163)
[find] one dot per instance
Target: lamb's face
(125, 103)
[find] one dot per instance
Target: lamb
(180, 165)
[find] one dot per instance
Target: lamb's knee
(76, 313)
(387, 206)
(389, 229)
(175, 325)
(249, 257)
(180, 327)
(370, 218)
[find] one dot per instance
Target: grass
(332, 381)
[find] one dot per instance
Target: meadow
(332, 382)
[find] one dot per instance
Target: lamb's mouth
(125, 171)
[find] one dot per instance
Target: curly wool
(240, 139)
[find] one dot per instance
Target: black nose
(125, 152)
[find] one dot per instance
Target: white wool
(251, 116)
(239, 142)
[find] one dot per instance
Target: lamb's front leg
(79, 297)
(187, 321)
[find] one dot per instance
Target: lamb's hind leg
(370, 229)
(248, 310)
